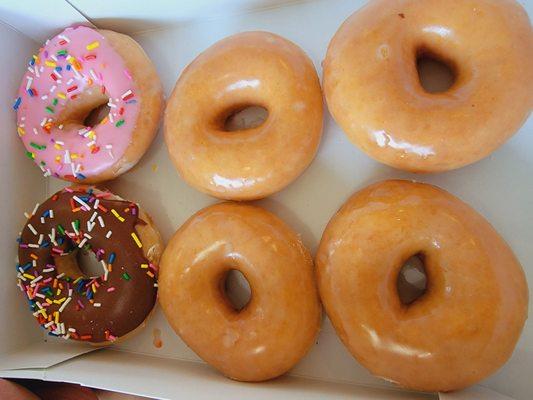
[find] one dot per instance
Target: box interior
(172, 34)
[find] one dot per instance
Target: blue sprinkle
(17, 103)
(59, 69)
(46, 214)
(19, 240)
(27, 266)
(68, 67)
(52, 333)
(32, 61)
(45, 244)
(133, 101)
(80, 176)
(111, 258)
(30, 92)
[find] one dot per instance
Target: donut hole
(79, 262)
(236, 289)
(412, 279)
(97, 114)
(435, 73)
(88, 109)
(246, 117)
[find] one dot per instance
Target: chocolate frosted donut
(67, 302)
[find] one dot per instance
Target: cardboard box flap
(39, 21)
(42, 355)
(170, 378)
(474, 393)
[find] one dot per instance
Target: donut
(247, 69)
(74, 73)
(66, 301)
(374, 92)
(466, 323)
(278, 325)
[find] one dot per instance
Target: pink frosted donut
(74, 73)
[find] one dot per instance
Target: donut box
(156, 363)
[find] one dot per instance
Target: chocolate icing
(131, 275)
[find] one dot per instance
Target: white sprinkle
(31, 70)
(42, 218)
(66, 39)
(111, 119)
(53, 57)
(33, 245)
(76, 170)
(34, 263)
(93, 217)
(48, 269)
(155, 285)
(35, 131)
(64, 304)
(43, 122)
(61, 275)
(101, 221)
(51, 213)
(21, 277)
(30, 81)
(54, 87)
(126, 94)
(90, 225)
(85, 206)
(72, 330)
(67, 336)
(44, 97)
(70, 292)
(48, 324)
(36, 279)
(104, 265)
(91, 72)
(41, 237)
(70, 81)
(82, 243)
(108, 234)
(32, 229)
(66, 158)
(42, 296)
(87, 236)
(90, 143)
(28, 216)
(37, 74)
(35, 209)
(97, 305)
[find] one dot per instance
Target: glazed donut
(465, 325)
(282, 319)
(76, 72)
(66, 301)
(247, 69)
(374, 93)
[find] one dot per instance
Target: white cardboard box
(173, 33)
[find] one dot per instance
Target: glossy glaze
(466, 324)
(282, 319)
(74, 72)
(373, 90)
(247, 69)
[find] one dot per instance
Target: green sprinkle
(61, 52)
(126, 276)
(43, 163)
(30, 155)
(50, 109)
(119, 123)
(61, 229)
(77, 224)
(54, 102)
(38, 146)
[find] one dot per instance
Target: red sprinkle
(90, 56)
(72, 88)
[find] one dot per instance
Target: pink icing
(67, 65)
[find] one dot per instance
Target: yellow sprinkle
(93, 45)
(21, 131)
(73, 156)
(76, 280)
(36, 58)
(58, 292)
(56, 314)
(150, 274)
(137, 241)
(58, 159)
(94, 288)
(58, 147)
(116, 214)
(144, 265)
(91, 134)
(29, 276)
(61, 95)
(48, 301)
(154, 167)
(104, 121)
(51, 64)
